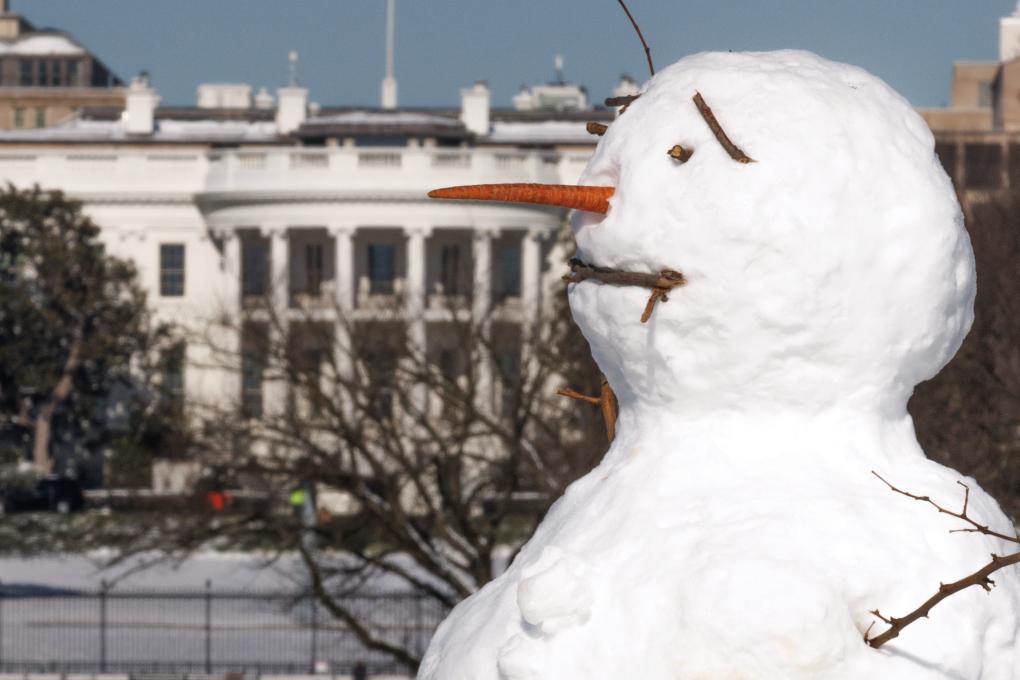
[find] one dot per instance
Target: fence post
(102, 625)
(419, 624)
(1, 626)
(315, 631)
(208, 626)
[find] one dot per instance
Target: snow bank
(734, 529)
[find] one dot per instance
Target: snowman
(734, 529)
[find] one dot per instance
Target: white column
(531, 269)
(414, 304)
(279, 268)
(227, 343)
(343, 263)
(481, 304)
(343, 236)
(482, 272)
(279, 281)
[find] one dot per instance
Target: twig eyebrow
(732, 149)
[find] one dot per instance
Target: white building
(217, 203)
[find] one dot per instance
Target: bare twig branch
(648, 50)
(732, 149)
(680, 153)
(574, 394)
(606, 401)
(978, 578)
(623, 100)
(661, 283)
(352, 621)
(976, 527)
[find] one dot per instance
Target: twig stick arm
(978, 578)
(606, 401)
(975, 526)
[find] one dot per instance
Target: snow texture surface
(43, 44)
(733, 530)
(540, 132)
(167, 130)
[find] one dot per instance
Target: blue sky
(443, 45)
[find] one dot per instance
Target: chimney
(291, 109)
(474, 108)
(389, 83)
(140, 112)
(264, 100)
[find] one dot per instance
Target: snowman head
(834, 271)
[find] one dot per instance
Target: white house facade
(319, 208)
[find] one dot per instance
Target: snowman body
(734, 529)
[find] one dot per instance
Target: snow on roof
(78, 130)
(42, 44)
(541, 132)
(383, 118)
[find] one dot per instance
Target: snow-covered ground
(156, 618)
(234, 571)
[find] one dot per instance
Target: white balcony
(380, 171)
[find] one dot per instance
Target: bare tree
(432, 459)
(968, 416)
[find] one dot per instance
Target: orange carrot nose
(590, 199)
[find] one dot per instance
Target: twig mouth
(661, 283)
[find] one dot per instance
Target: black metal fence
(207, 631)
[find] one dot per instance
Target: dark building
(45, 75)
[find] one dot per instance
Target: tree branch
(641, 37)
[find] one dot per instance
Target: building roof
(383, 123)
(192, 124)
(78, 130)
(42, 44)
(539, 132)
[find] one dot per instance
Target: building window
(44, 72)
(19, 117)
(73, 72)
(509, 365)
(27, 72)
(252, 369)
(382, 378)
(40, 117)
(1014, 166)
(171, 269)
(983, 166)
(508, 267)
(172, 376)
(449, 269)
(382, 260)
(946, 151)
(313, 269)
(984, 92)
(254, 267)
(312, 361)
